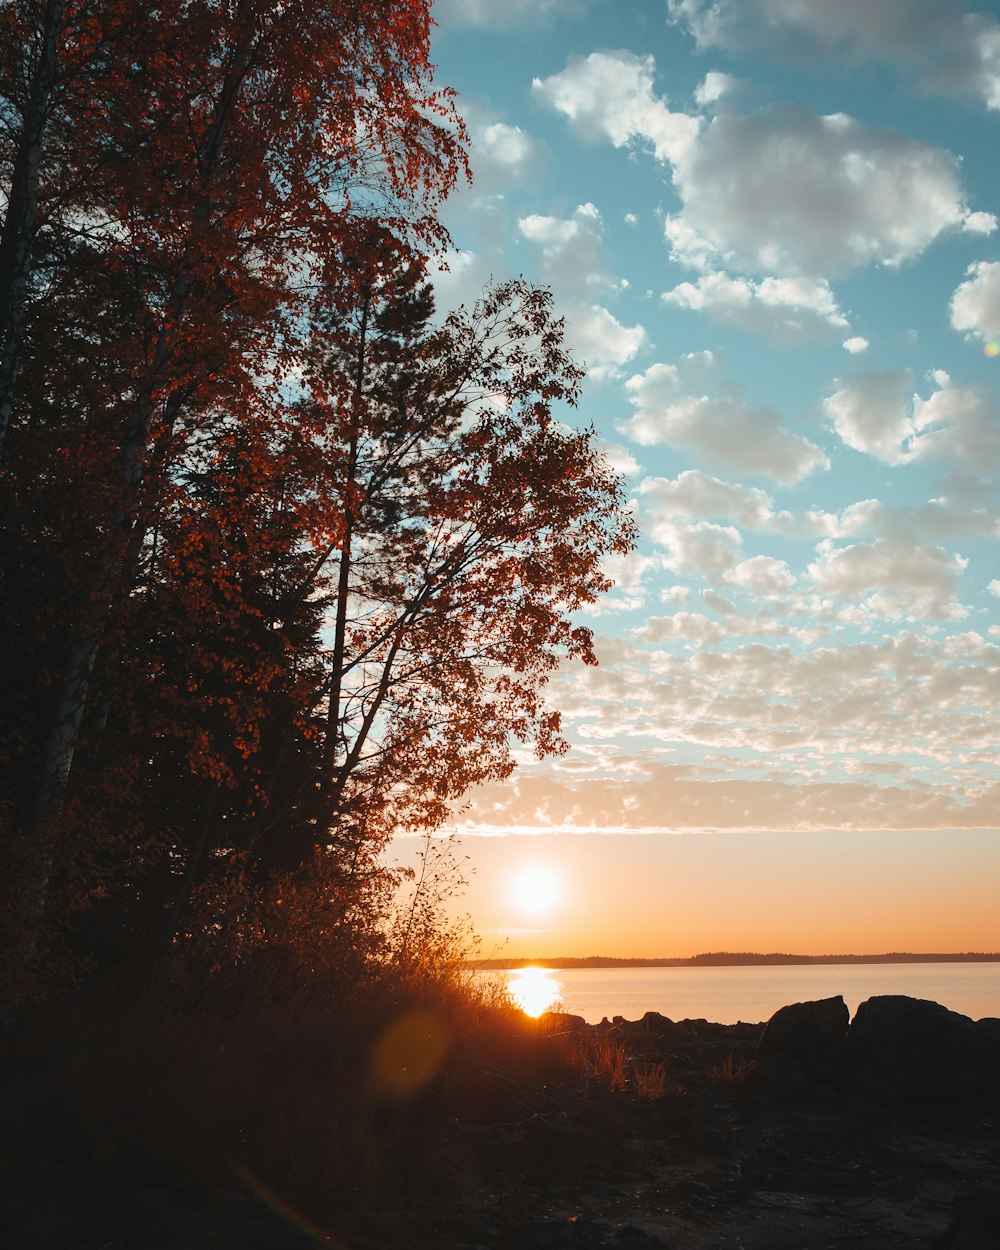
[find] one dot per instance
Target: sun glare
(535, 890)
(534, 990)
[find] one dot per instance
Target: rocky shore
(811, 1131)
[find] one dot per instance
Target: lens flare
(291, 1215)
(992, 348)
(407, 1055)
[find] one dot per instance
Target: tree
(340, 644)
(292, 560)
(208, 162)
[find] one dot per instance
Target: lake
(750, 994)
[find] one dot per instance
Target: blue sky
(772, 228)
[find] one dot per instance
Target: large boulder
(812, 1035)
(904, 1048)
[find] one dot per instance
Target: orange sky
(669, 895)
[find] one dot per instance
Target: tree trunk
(333, 717)
(120, 546)
(19, 221)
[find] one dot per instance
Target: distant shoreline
(730, 959)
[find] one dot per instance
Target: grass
(608, 1065)
(729, 1071)
(303, 1089)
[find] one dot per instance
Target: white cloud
(786, 309)
(600, 339)
(687, 626)
(781, 192)
(791, 193)
(694, 494)
(699, 550)
(873, 413)
(618, 456)
(713, 87)
(610, 95)
(946, 48)
(458, 277)
(960, 423)
(509, 146)
(855, 345)
(572, 247)
(763, 574)
(892, 577)
(574, 262)
(721, 428)
(869, 413)
(631, 575)
(975, 306)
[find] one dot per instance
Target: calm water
(727, 995)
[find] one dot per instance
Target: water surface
(752, 994)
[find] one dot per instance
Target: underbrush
(299, 1089)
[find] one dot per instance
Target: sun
(535, 890)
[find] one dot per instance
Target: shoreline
(726, 959)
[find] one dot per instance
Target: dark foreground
(687, 1136)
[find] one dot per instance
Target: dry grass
(304, 1093)
(650, 1079)
(728, 1071)
(606, 1063)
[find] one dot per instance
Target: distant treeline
(731, 959)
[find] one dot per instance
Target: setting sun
(535, 890)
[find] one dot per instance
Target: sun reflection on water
(534, 990)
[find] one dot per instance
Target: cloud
(780, 192)
(892, 577)
(722, 428)
(873, 413)
(572, 247)
(834, 722)
(508, 147)
(763, 574)
(701, 550)
(969, 509)
(975, 306)
(610, 95)
(599, 338)
(631, 575)
(694, 494)
(790, 193)
(685, 626)
(574, 262)
(458, 277)
(785, 309)
(947, 49)
(868, 413)
(855, 345)
(618, 456)
(713, 87)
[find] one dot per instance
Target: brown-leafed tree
(288, 561)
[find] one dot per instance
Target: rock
(902, 1047)
(812, 1034)
(561, 1022)
(778, 1078)
(976, 1225)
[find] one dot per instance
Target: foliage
(287, 559)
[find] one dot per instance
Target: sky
(772, 229)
